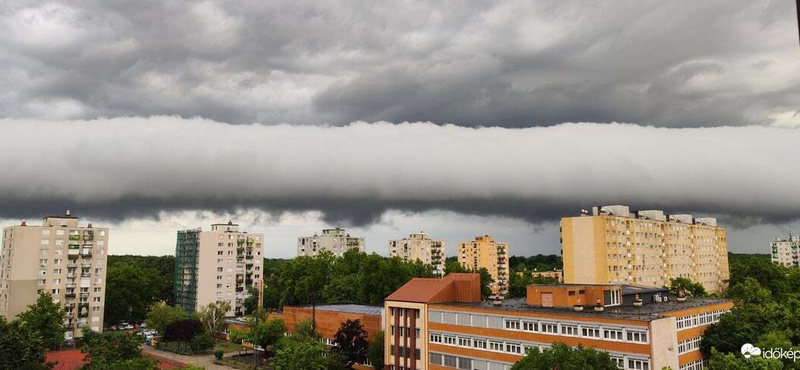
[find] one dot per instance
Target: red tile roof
(455, 287)
(68, 359)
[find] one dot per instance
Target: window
(569, 330)
(449, 340)
(435, 338)
(449, 360)
(435, 358)
(45, 232)
(495, 346)
(513, 348)
(479, 343)
(612, 334)
(530, 326)
(636, 336)
(549, 328)
(512, 324)
(464, 342)
(590, 332)
(638, 364)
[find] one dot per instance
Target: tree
(251, 302)
(272, 291)
(45, 318)
(451, 265)
(113, 350)
(691, 288)
(213, 316)
(183, 330)
(486, 282)
(720, 361)
(376, 350)
(298, 353)
(21, 347)
(564, 357)
(351, 342)
(130, 292)
(267, 333)
(749, 292)
(304, 328)
(162, 315)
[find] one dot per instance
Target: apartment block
(615, 245)
(216, 266)
(442, 324)
(420, 246)
(785, 251)
(335, 240)
(61, 258)
(484, 252)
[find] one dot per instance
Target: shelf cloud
(135, 167)
(470, 63)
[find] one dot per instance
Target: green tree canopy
(564, 357)
(45, 318)
(134, 284)
(113, 350)
(213, 316)
(300, 353)
(376, 350)
(162, 315)
(21, 347)
(691, 288)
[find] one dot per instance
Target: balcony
(69, 294)
(74, 236)
(86, 252)
(248, 281)
(88, 235)
(249, 256)
(239, 241)
(71, 285)
(84, 295)
(250, 241)
(239, 289)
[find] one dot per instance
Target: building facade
(614, 245)
(484, 252)
(443, 326)
(420, 246)
(216, 266)
(335, 240)
(785, 251)
(61, 258)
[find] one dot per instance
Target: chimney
(24, 223)
(89, 226)
(68, 213)
(598, 306)
(637, 301)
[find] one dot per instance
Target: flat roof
(647, 312)
(349, 308)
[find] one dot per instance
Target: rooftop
(350, 308)
(647, 312)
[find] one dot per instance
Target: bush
(218, 354)
(202, 343)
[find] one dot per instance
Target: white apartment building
(61, 258)
(420, 246)
(335, 240)
(216, 266)
(785, 251)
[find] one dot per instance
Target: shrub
(202, 342)
(218, 354)
(183, 330)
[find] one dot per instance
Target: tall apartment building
(785, 251)
(335, 240)
(420, 246)
(615, 245)
(61, 258)
(442, 324)
(484, 252)
(216, 266)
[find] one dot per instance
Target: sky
(457, 118)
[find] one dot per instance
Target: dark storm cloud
(514, 64)
(132, 168)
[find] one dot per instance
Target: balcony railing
(74, 236)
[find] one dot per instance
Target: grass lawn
(225, 346)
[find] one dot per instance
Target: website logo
(749, 350)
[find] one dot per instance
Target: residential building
(335, 240)
(440, 324)
(420, 246)
(785, 251)
(218, 265)
(615, 245)
(484, 252)
(61, 258)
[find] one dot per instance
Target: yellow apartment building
(614, 245)
(484, 252)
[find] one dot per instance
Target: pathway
(206, 361)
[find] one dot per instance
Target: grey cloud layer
(135, 167)
(514, 63)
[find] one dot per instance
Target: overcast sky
(291, 116)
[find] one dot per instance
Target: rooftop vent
(24, 223)
(68, 213)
